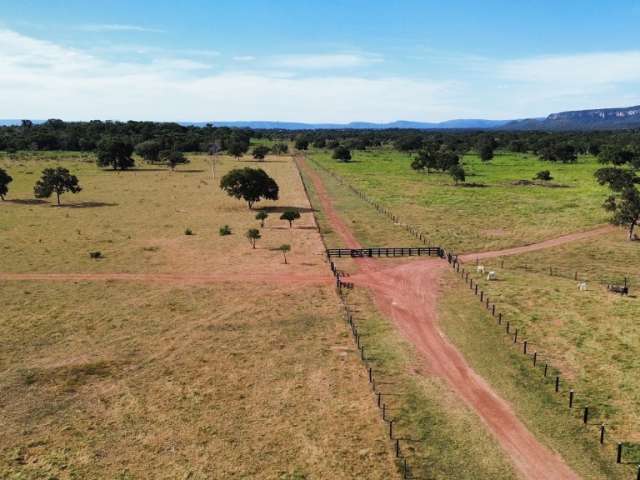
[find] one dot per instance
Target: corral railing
(385, 252)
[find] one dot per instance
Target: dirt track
(408, 294)
(554, 242)
(172, 278)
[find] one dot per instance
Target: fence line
(538, 359)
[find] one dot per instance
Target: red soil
(408, 294)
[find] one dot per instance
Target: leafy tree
(485, 152)
(409, 143)
(302, 143)
(237, 149)
(262, 216)
(319, 143)
(284, 248)
(486, 145)
(624, 202)
(115, 153)
(616, 155)
(457, 173)
(290, 216)
(253, 235)
(342, 154)
(56, 180)
(625, 208)
(260, 152)
(173, 158)
(543, 175)
(149, 150)
(426, 160)
(562, 152)
(280, 148)
(5, 180)
(446, 159)
(617, 178)
(249, 184)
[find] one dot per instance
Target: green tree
(457, 173)
(260, 152)
(249, 184)
(253, 235)
(486, 152)
(302, 143)
(280, 148)
(173, 158)
(149, 150)
(284, 248)
(262, 216)
(115, 153)
(237, 149)
(5, 180)
(56, 180)
(624, 202)
(290, 216)
(342, 154)
(625, 208)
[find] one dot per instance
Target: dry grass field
(174, 378)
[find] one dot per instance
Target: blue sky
(329, 61)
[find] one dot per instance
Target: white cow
(582, 286)
(480, 269)
(491, 276)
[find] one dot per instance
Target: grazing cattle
(491, 276)
(621, 289)
(480, 269)
(582, 286)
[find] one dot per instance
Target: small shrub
(225, 230)
(95, 255)
(188, 231)
(543, 175)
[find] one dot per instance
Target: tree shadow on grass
(86, 205)
(25, 201)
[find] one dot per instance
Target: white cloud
(326, 61)
(581, 69)
(41, 79)
(244, 58)
(117, 27)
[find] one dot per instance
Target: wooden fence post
(619, 454)
(571, 398)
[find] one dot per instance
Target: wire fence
(581, 408)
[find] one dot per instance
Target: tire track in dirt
(553, 242)
(174, 278)
(408, 294)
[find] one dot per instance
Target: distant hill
(594, 119)
(449, 124)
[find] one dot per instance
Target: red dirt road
(172, 278)
(554, 242)
(408, 294)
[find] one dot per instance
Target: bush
(95, 255)
(188, 231)
(543, 175)
(225, 230)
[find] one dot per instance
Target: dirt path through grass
(553, 242)
(408, 294)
